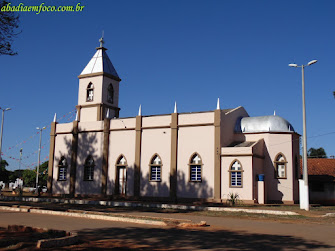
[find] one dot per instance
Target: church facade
(178, 156)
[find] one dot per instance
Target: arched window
(89, 92)
(280, 166)
(110, 94)
(121, 175)
(195, 167)
(62, 169)
(155, 168)
(89, 168)
(236, 174)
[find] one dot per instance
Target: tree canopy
(9, 23)
(317, 153)
(29, 176)
(4, 173)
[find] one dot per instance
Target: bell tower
(98, 96)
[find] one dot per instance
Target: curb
(99, 217)
(58, 242)
(15, 209)
(85, 215)
(149, 205)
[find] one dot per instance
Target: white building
(177, 156)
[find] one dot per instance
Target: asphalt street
(223, 232)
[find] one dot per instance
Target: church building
(203, 155)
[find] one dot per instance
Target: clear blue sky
(191, 52)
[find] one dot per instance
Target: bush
(233, 198)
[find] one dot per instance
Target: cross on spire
(101, 40)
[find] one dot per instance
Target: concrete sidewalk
(148, 205)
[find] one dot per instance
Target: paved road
(224, 233)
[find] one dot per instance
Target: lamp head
(293, 65)
(312, 62)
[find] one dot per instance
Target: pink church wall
(89, 144)
(62, 148)
(196, 118)
(88, 113)
(90, 126)
(121, 142)
(163, 120)
(83, 83)
(106, 82)
(197, 139)
(156, 141)
(64, 128)
(245, 192)
(228, 122)
(122, 123)
(277, 189)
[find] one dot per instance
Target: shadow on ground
(197, 239)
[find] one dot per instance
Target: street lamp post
(39, 154)
(3, 117)
(20, 175)
(303, 188)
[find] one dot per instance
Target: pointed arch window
(121, 175)
(236, 174)
(280, 166)
(110, 94)
(62, 169)
(195, 167)
(89, 92)
(89, 168)
(155, 168)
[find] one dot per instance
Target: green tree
(9, 23)
(4, 173)
(15, 175)
(29, 176)
(317, 153)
